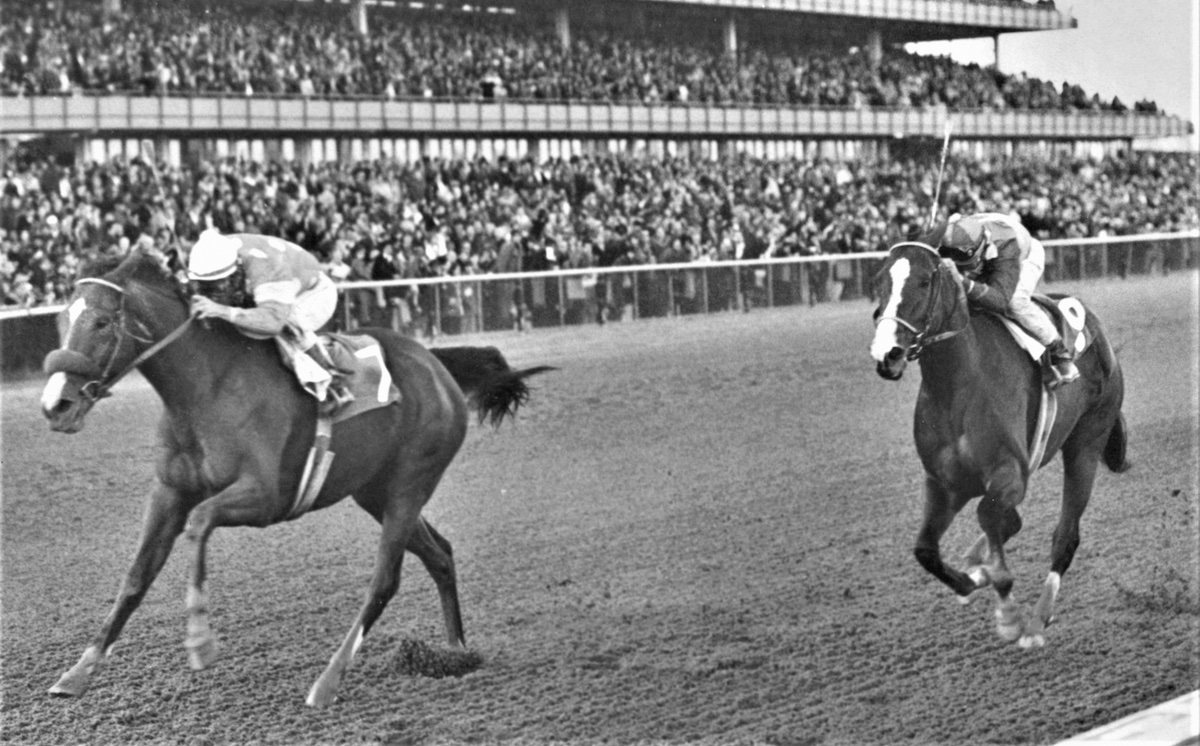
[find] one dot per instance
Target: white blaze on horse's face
(885, 332)
(52, 394)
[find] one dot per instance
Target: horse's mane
(140, 267)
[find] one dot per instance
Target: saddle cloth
(369, 381)
(1067, 314)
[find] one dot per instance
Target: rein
(99, 388)
(922, 339)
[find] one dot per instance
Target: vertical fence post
(704, 286)
(671, 293)
(737, 288)
(770, 285)
(635, 276)
(1104, 261)
(437, 309)
(479, 305)
(562, 303)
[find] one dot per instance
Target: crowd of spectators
(388, 219)
(310, 49)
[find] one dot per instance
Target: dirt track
(699, 530)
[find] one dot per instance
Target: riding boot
(338, 394)
(1062, 363)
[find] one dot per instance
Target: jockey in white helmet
(267, 287)
(1002, 264)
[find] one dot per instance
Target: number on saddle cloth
(369, 379)
(1069, 317)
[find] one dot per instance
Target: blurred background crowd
(281, 49)
(386, 219)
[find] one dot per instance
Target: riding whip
(937, 192)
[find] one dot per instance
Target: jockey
(1001, 264)
(270, 288)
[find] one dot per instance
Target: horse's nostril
(60, 408)
(894, 355)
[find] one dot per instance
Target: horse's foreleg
(435, 553)
(1000, 522)
(398, 525)
(940, 508)
(241, 504)
(163, 522)
(1079, 475)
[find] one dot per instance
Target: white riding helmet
(213, 256)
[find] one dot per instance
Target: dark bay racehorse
(235, 433)
(975, 416)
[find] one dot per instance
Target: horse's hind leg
(940, 508)
(398, 520)
(1079, 475)
(435, 553)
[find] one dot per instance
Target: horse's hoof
(1009, 624)
(321, 694)
(69, 686)
(202, 652)
(1028, 642)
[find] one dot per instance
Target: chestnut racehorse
(235, 433)
(975, 418)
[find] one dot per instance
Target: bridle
(922, 338)
(99, 388)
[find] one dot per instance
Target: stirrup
(336, 397)
(1063, 377)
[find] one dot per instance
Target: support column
(875, 47)
(562, 26)
(360, 17)
(996, 52)
(729, 35)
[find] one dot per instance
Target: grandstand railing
(493, 302)
(281, 116)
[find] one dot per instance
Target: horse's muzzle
(64, 404)
(892, 365)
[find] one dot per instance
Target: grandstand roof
(899, 21)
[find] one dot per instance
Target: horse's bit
(98, 388)
(922, 340)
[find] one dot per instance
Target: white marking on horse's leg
(76, 681)
(201, 643)
(324, 689)
(1009, 621)
(52, 394)
(885, 332)
(1043, 612)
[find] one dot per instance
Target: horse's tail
(493, 388)
(1114, 449)
(1118, 438)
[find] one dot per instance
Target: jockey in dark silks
(270, 288)
(1001, 264)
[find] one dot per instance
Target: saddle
(1070, 318)
(367, 377)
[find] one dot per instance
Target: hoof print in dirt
(415, 658)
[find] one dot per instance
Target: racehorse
(975, 417)
(235, 432)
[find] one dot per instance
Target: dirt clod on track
(415, 658)
(700, 530)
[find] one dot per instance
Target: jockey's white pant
(311, 311)
(1021, 308)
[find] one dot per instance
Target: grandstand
(409, 139)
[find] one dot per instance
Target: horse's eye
(103, 323)
(925, 281)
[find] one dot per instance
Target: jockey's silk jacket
(1008, 245)
(277, 273)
